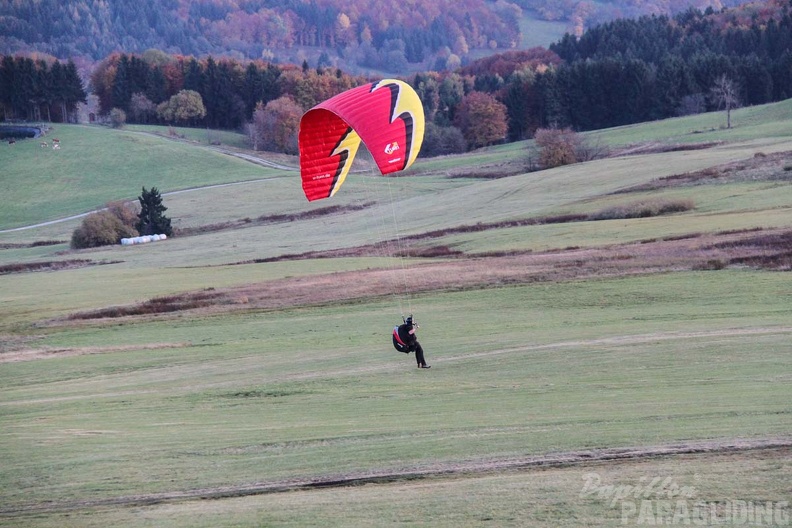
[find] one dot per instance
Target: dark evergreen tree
(520, 100)
(194, 76)
(270, 89)
(151, 220)
(756, 81)
(58, 76)
(24, 88)
(550, 104)
(45, 90)
(230, 105)
(6, 84)
(782, 76)
(137, 75)
(122, 94)
(212, 87)
(156, 86)
(254, 88)
(673, 83)
(71, 91)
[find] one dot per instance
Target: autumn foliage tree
(276, 124)
(186, 107)
(482, 119)
(105, 227)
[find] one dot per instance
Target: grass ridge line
(560, 459)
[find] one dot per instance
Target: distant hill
(355, 35)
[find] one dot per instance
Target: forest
(356, 35)
(618, 73)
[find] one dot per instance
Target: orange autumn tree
(275, 125)
(482, 119)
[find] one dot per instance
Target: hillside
(354, 35)
(240, 373)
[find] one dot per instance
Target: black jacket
(403, 340)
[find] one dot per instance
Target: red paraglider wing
(387, 116)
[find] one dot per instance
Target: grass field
(617, 351)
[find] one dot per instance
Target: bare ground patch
(31, 353)
(774, 445)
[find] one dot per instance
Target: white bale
(155, 238)
(125, 242)
(163, 236)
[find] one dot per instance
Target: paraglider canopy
(387, 116)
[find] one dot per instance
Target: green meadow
(304, 415)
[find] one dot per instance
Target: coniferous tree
(156, 85)
(122, 94)
(672, 84)
(782, 76)
(450, 93)
(254, 87)
(211, 92)
(6, 84)
(47, 89)
(72, 91)
(151, 220)
(270, 89)
(193, 76)
(24, 88)
(519, 98)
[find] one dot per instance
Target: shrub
(557, 146)
(439, 141)
(127, 212)
(643, 209)
(100, 229)
(117, 118)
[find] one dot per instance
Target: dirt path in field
(579, 458)
(32, 354)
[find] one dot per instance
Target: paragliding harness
(398, 342)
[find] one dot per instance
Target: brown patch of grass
(643, 209)
(766, 249)
(268, 219)
(38, 243)
(315, 213)
(637, 210)
(652, 147)
(486, 175)
(156, 305)
(52, 265)
(760, 167)
(559, 219)
(770, 251)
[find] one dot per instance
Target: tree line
(619, 73)
(36, 90)
(382, 35)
